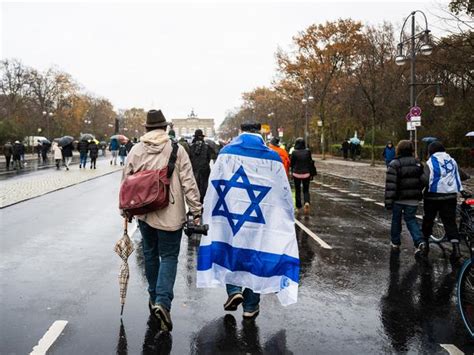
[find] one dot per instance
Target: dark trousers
(8, 158)
(298, 183)
(93, 161)
(202, 180)
(447, 213)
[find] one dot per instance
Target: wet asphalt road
(57, 263)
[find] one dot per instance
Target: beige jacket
(153, 152)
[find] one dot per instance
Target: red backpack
(148, 190)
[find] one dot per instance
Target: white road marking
(321, 242)
(49, 338)
(354, 195)
(343, 191)
(380, 204)
(451, 349)
(368, 199)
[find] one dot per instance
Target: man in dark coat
(16, 152)
(345, 149)
(83, 148)
(67, 154)
(200, 154)
(403, 191)
(8, 152)
(93, 153)
(388, 153)
(44, 151)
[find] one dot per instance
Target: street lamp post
(47, 115)
(418, 43)
(306, 100)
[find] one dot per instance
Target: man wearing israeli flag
(251, 245)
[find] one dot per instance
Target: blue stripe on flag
(436, 174)
(251, 146)
(456, 175)
(256, 262)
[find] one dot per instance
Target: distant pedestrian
(184, 143)
(200, 154)
(16, 153)
(114, 148)
(57, 154)
(352, 150)
(93, 153)
(22, 153)
(162, 229)
(388, 153)
(122, 152)
(44, 151)
(275, 146)
(8, 152)
(83, 148)
(38, 149)
(67, 154)
(345, 148)
(442, 178)
(302, 166)
(403, 191)
(129, 145)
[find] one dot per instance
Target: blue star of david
(256, 194)
(448, 166)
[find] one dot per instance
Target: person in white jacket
(58, 155)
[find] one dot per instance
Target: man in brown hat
(200, 154)
(162, 229)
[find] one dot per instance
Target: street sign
(280, 133)
(415, 119)
(415, 111)
(408, 117)
(265, 129)
(411, 126)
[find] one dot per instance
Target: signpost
(413, 119)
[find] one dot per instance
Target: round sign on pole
(408, 117)
(415, 111)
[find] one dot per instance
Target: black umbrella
(63, 141)
(429, 139)
(45, 141)
(87, 137)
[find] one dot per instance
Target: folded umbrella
(63, 141)
(124, 247)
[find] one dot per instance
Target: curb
(58, 189)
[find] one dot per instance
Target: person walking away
(275, 146)
(44, 152)
(122, 152)
(129, 145)
(38, 149)
(442, 180)
(22, 153)
(388, 153)
(162, 229)
(184, 143)
(236, 250)
(8, 152)
(83, 148)
(352, 149)
(58, 155)
(93, 153)
(301, 161)
(403, 191)
(345, 148)
(200, 154)
(16, 153)
(114, 148)
(67, 154)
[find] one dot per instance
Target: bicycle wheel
(438, 231)
(465, 293)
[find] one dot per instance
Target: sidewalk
(363, 171)
(32, 185)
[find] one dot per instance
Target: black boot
(456, 253)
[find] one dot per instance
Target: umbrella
(355, 140)
(45, 141)
(87, 137)
(429, 139)
(63, 141)
(120, 137)
(470, 134)
(124, 248)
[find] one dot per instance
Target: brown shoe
(306, 208)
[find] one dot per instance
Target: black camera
(191, 228)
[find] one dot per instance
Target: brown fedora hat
(155, 118)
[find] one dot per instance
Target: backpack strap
(173, 157)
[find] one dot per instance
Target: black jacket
(8, 150)
(67, 150)
(403, 180)
(200, 154)
(93, 150)
(83, 147)
(301, 161)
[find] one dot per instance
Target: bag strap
(173, 157)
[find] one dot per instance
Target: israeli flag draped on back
(444, 174)
(249, 208)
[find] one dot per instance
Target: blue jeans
(83, 158)
(409, 215)
(160, 249)
(251, 299)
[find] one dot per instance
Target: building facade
(187, 126)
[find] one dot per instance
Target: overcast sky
(173, 56)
